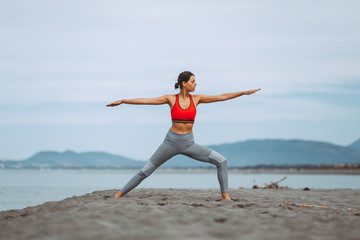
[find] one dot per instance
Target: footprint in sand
(220, 220)
(197, 205)
(106, 197)
(243, 205)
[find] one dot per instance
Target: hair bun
(183, 77)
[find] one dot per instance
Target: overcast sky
(61, 62)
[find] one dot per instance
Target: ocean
(24, 188)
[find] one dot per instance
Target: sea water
(23, 188)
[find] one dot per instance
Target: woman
(180, 138)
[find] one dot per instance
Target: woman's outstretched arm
(225, 96)
(148, 101)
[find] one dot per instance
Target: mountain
(70, 159)
(291, 152)
(355, 145)
(238, 154)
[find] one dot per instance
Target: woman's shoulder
(171, 98)
(196, 98)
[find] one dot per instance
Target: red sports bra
(180, 115)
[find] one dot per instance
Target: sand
(190, 214)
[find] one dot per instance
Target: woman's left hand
(251, 91)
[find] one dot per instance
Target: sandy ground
(190, 214)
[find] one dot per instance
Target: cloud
(62, 61)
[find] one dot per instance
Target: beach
(191, 214)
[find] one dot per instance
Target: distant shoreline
(354, 170)
(298, 171)
(264, 171)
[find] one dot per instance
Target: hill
(70, 159)
(355, 145)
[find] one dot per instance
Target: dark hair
(183, 77)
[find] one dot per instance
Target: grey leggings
(174, 144)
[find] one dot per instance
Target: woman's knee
(142, 175)
(148, 169)
(217, 159)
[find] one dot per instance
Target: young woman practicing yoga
(180, 138)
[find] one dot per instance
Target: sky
(61, 62)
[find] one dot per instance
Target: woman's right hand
(113, 104)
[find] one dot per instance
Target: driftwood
(287, 203)
(272, 185)
(275, 184)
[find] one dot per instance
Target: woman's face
(190, 85)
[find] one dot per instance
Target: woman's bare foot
(119, 194)
(226, 196)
